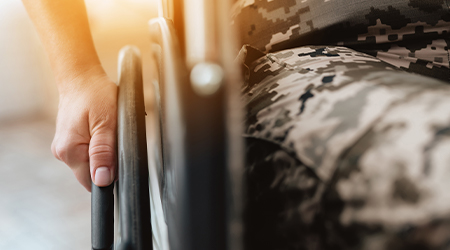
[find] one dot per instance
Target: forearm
(64, 30)
(85, 136)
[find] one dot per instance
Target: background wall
(24, 70)
(41, 204)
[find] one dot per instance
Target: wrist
(79, 78)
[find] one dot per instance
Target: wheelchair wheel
(133, 193)
(197, 149)
(134, 228)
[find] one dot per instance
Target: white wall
(27, 87)
(25, 77)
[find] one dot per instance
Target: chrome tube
(203, 86)
(165, 9)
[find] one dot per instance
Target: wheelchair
(197, 160)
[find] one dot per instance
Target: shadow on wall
(27, 87)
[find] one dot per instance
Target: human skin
(85, 137)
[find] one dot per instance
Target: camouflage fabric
(344, 151)
(409, 34)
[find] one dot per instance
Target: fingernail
(103, 176)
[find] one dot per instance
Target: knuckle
(61, 151)
(101, 151)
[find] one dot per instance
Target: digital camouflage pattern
(409, 34)
(344, 151)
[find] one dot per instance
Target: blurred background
(42, 206)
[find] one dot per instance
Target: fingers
(72, 149)
(89, 158)
(85, 136)
(102, 157)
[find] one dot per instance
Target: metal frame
(199, 115)
(200, 128)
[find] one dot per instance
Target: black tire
(133, 191)
(132, 187)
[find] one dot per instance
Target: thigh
(317, 101)
(369, 140)
(390, 189)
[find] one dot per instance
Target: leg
(369, 137)
(391, 187)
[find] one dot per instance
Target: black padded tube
(102, 217)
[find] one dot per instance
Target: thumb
(102, 157)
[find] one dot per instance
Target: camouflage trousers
(344, 152)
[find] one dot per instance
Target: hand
(85, 137)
